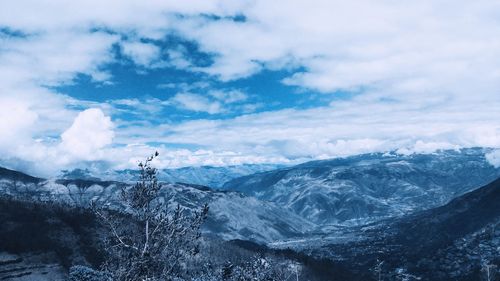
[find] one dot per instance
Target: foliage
(158, 242)
(83, 273)
(258, 268)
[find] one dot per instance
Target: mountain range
(431, 216)
(211, 176)
(232, 214)
(291, 202)
(365, 188)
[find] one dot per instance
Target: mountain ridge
(211, 176)
(232, 216)
(364, 188)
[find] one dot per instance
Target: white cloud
(143, 54)
(51, 140)
(215, 101)
(136, 106)
(52, 59)
(345, 46)
(195, 102)
(425, 47)
(174, 158)
(16, 119)
(178, 58)
(347, 128)
(30, 113)
(426, 147)
(91, 131)
(231, 96)
(494, 157)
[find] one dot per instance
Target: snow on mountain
(364, 188)
(210, 176)
(232, 215)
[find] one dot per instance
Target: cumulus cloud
(91, 130)
(178, 58)
(26, 144)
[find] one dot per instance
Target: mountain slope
(39, 241)
(450, 242)
(369, 187)
(13, 176)
(462, 216)
(232, 215)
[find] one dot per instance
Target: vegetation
(158, 242)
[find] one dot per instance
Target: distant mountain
(11, 175)
(232, 215)
(370, 187)
(210, 176)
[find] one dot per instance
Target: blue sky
(211, 82)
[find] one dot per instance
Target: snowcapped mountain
(369, 187)
(232, 215)
(210, 176)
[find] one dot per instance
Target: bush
(83, 273)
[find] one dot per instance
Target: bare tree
(377, 269)
(488, 270)
(151, 241)
(402, 274)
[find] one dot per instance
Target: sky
(106, 83)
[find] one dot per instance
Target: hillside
(232, 214)
(450, 242)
